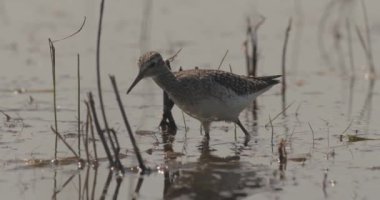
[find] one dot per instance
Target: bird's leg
(206, 127)
(242, 128)
(167, 121)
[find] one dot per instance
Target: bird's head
(150, 64)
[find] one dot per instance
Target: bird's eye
(151, 65)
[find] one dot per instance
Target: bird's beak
(137, 79)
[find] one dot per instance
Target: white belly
(213, 109)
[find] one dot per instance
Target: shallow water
(320, 93)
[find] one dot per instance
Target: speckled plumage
(207, 95)
(241, 85)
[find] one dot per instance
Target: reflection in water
(213, 177)
(93, 183)
(57, 191)
(168, 138)
(138, 187)
(324, 184)
(79, 185)
(55, 185)
(118, 184)
(106, 185)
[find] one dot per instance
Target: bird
(205, 94)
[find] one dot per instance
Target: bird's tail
(269, 79)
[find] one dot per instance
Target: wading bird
(206, 95)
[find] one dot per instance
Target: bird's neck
(166, 80)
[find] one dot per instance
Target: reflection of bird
(207, 95)
(213, 176)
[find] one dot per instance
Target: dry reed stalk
(99, 130)
(125, 119)
(64, 141)
(282, 154)
(272, 135)
(85, 136)
(252, 36)
(72, 34)
(52, 57)
(282, 111)
(78, 101)
(284, 50)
